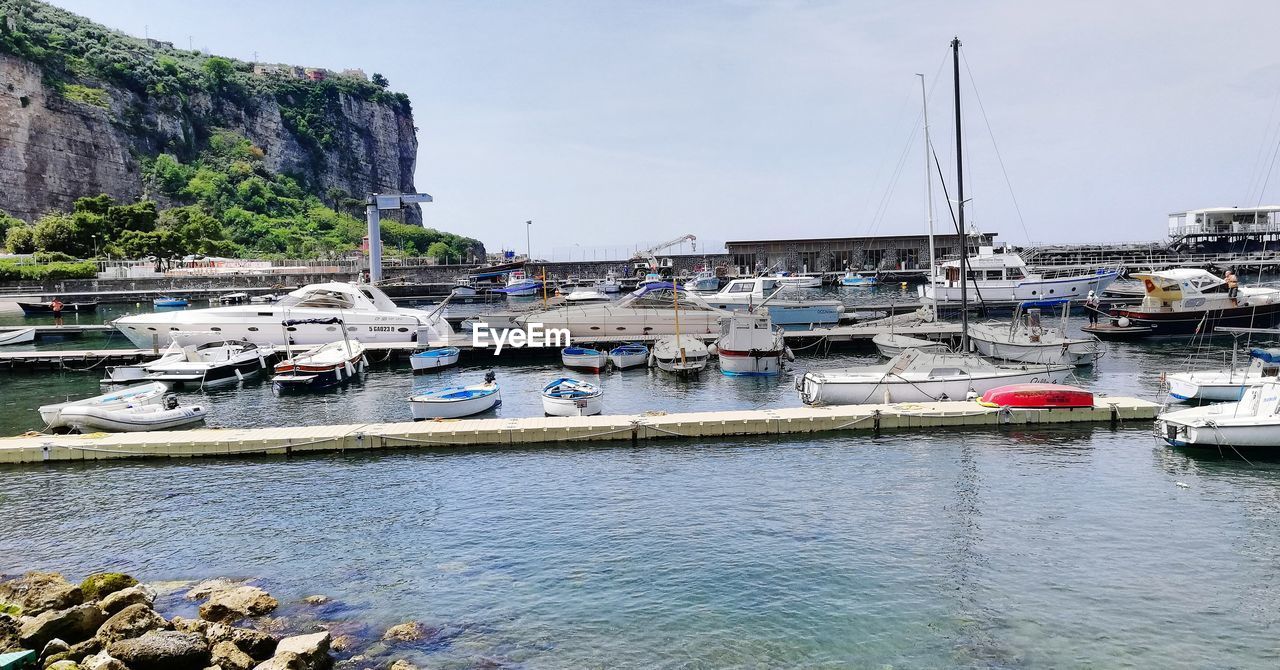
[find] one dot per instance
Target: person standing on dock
(1233, 287)
(1092, 305)
(56, 306)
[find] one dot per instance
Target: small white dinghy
(434, 359)
(1029, 339)
(19, 336)
(571, 397)
(134, 396)
(132, 419)
(681, 355)
(630, 355)
(456, 401)
(583, 358)
(890, 344)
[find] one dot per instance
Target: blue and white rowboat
(583, 358)
(571, 397)
(434, 359)
(456, 401)
(629, 355)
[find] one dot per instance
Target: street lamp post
(528, 245)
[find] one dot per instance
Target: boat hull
(434, 360)
(585, 359)
(1209, 386)
(753, 363)
(181, 374)
(816, 389)
(1195, 322)
(890, 345)
(790, 313)
(21, 336)
(623, 361)
(425, 409)
(1021, 290)
(132, 420)
(143, 394)
(588, 406)
(1037, 396)
(1073, 352)
(42, 308)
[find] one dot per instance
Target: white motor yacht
(1004, 278)
(750, 292)
(649, 310)
(368, 313)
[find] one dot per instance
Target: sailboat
(914, 375)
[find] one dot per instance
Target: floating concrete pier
(487, 433)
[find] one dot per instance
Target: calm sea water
(1069, 547)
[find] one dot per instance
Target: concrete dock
(497, 433)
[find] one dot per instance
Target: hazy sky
(610, 123)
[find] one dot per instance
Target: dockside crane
(649, 254)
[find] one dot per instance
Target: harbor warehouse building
(835, 254)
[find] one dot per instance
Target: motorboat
(434, 359)
(610, 283)
(1028, 339)
(168, 301)
(892, 344)
(797, 281)
(455, 402)
(151, 393)
(207, 363)
(463, 288)
(704, 281)
(232, 298)
(1224, 384)
(651, 279)
(17, 336)
(323, 367)
(585, 295)
(1037, 396)
(1006, 278)
(919, 376)
(1125, 289)
(750, 344)
(630, 355)
(572, 397)
(519, 285)
(133, 418)
(44, 308)
(1251, 422)
(1191, 301)
(584, 358)
(751, 292)
(851, 278)
(680, 354)
(128, 374)
(369, 314)
(264, 298)
(648, 311)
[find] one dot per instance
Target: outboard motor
(171, 401)
(1034, 328)
(490, 377)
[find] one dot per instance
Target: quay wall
(626, 268)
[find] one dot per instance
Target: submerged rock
(63, 665)
(137, 594)
(237, 603)
(37, 592)
(162, 650)
(131, 621)
(401, 664)
(185, 625)
(316, 599)
(208, 587)
(72, 624)
(102, 584)
(409, 631)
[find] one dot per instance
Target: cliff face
(55, 148)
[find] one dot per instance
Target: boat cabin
(1181, 288)
(987, 266)
(339, 295)
(754, 287)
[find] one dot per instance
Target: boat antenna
(964, 242)
(928, 177)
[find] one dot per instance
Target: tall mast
(964, 242)
(928, 174)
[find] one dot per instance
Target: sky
(617, 123)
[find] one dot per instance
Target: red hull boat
(1037, 396)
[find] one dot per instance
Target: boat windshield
(660, 296)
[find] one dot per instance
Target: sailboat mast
(928, 174)
(964, 242)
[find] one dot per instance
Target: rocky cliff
(77, 122)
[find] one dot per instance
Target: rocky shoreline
(109, 621)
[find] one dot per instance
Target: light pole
(528, 245)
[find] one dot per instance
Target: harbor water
(1061, 547)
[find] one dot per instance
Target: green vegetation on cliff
(207, 188)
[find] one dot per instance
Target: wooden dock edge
(480, 433)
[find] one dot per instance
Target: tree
(58, 232)
(218, 71)
(19, 240)
(439, 251)
(380, 81)
(337, 196)
(9, 222)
